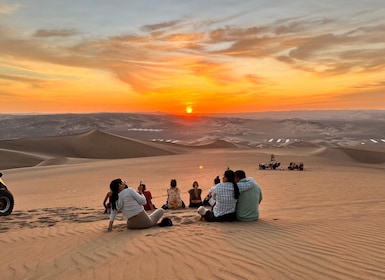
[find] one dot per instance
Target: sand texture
(326, 222)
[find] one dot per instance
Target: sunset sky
(211, 56)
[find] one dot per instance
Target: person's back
(195, 195)
(225, 202)
(174, 199)
(248, 203)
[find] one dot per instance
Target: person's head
(239, 175)
(173, 183)
(195, 184)
(116, 186)
(143, 187)
(228, 176)
(217, 180)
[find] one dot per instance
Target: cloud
(55, 33)
(6, 9)
(160, 26)
(38, 83)
(172, 49)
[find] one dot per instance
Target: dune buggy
(6, 199)
(273, 164)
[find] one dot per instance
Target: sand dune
(325, 222)
(93, 145)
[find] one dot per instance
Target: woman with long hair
(130, 202)
(226, 195)
(195, 195)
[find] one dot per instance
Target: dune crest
(93, 145)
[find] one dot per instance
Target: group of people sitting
(235, 198)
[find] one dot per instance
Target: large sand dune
(325, 222)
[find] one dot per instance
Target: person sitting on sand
(107, 203)
(248, 202)
(130, 203)
(209, 200)
(149, 205)
(174, 201)
(226, 195)
(195, 195)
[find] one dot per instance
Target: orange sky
(238, 57)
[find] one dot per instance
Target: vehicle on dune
(6, 199)
(273, 164)
(296, 166)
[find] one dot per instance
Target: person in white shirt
(130, 202)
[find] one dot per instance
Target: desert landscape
(325, 222)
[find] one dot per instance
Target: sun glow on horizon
(189, 109)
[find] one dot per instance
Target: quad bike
(6, 199)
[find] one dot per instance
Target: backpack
(165, 222)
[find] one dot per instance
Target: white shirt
(130, 203)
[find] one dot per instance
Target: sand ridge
(325, 222)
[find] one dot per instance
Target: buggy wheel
(6, 203)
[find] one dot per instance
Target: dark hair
(217, 180)
(114, 187)
(173, 183)
(143, 186)
(230, 175)
(240, 174)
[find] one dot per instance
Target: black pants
(224, 218)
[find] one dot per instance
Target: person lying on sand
(130, 203)
(226, 195)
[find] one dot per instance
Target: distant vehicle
(294, 166)
(6, 199)
(273, 164)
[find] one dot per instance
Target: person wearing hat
(130, 202)
(226, 195)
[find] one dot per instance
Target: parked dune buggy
(6, 199)
(295, 166)
(273, 164)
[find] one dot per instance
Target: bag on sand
(165, 222)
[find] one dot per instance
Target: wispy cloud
(55, 33)
(195, 54)
(6, 9)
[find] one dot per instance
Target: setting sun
(189, 109)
